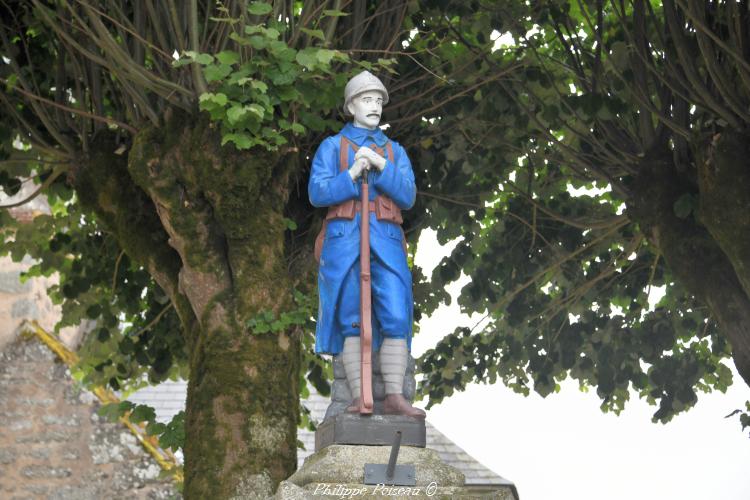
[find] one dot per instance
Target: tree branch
(102, 119)
(198, 79)
(56, 172)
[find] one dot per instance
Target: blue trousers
(389, 313)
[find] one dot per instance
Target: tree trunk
(724, 182)
(692, 253)
(242, 411)
(207, 223)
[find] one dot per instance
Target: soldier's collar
(360, 136)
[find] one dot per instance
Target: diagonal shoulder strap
(389, 149)
(345, 144)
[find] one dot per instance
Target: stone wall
(53, 445)
(27, 301)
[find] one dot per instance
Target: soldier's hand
(360, 165)
(372, 157)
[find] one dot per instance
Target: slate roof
(168, 399)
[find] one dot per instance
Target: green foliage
(744, 416)
(317, 371)
(301, 316)
(171, 435)
(524, 177)
(135, 331)
(266, 91)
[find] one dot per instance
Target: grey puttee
(393, 354)
(351, 355)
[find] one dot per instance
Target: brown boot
(354, 407)
(396, 404)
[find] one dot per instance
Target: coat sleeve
(397, 179)
(327, 185)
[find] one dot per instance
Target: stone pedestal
(337, 471)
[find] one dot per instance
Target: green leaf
(156, 428)
(183, 61)
(254, 28)
(94, 311)
(298, 128)
(113, 411)
(258, 42)
(334, 13)
(240, 139)
(314, 33)
(143, 413)
(325, 55)
(219, 99)
(204, 58)
(228, 57)
(287, 93)
(236, 113)
(257, 110)
(260, 86)
(273, 34)
(216, 72)
(262, 328)
(282, 53)
(173, 434)
(259, 8)
(10, 82)
(307, 57)
(102, 334)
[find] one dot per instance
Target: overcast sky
(563, 447)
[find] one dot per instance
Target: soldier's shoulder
(396, 145)
(390, 139)
(332, 140)
(329, 143)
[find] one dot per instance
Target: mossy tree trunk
(709, 250)
(208, 223)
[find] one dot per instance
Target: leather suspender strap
(344, 153)
(346, 144)
(385, 209)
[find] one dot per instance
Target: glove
(360, 165)
(374, 159)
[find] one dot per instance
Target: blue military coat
(328, 186)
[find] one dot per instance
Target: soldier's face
(367, 108)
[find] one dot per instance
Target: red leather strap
(346, 144)
(344, 153)
(389, 148)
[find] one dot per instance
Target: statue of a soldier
(362, 152)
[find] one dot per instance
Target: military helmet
(362, 83)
